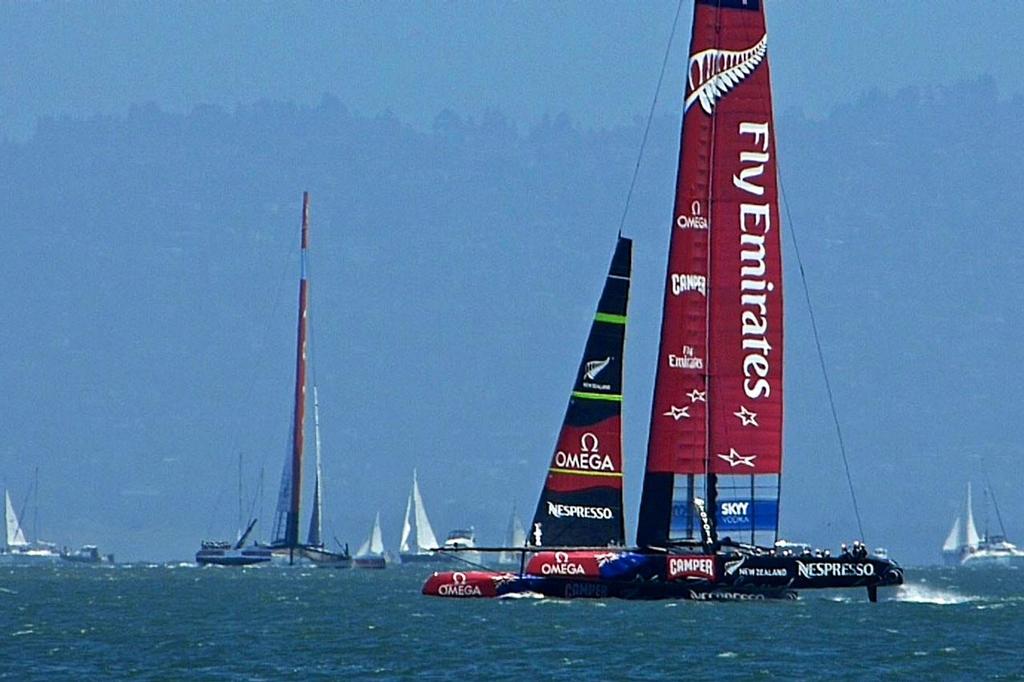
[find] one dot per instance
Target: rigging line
(650, 117)
(992, 496)
(821, 360)
(275, 297)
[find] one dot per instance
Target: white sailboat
(371, 552)
(416, 527)
(515, 536)
(963, 537)
(965, 547)
(17, 549)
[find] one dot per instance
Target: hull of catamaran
(1003, 555)
(322, 558)
(641, 575)
(245, 556)
(309, 556)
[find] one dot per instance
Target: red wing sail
(718, 392)
(286, 523)
(581, 504)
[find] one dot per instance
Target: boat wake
(522, 595)
(921, 594)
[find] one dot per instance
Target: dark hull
(639, 575)
(86, 559)
(371, 562)
(322, 558)
(232, 559)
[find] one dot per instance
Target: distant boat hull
(246, 556)
(370, 562)
(322, 558)
(639, 575)
(985, 559)
(87, 555)
(31, 557)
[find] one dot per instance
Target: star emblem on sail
(698, 396)
(747, 417)
(713, 73)
(736, 459)
(677, 413)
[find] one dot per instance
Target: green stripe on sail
(609, 317)
(597, 396)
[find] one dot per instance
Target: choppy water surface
(164, 622)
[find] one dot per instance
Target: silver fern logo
(595, 367)
(713, 73)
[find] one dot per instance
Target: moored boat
(371, 552)
(416, 529)
(86, 554)
(461, 544)
(17, 548)
(223, 553)
(963, 537)
(965, 547)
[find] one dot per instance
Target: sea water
(180, 621)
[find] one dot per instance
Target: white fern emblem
(595, 367)
(713, 73)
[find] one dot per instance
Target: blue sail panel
(746, 515)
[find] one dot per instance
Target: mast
(995, 504)
(298, 423)
(35, 506)
(241, 511)
(286, 526)
(716, 424)
(581, 503)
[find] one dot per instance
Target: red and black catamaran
(709, 513)
(286, 542)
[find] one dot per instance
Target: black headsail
(581, 504)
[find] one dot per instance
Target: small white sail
(425, 538)
(518, 531)
(15, 535)
(376, 539)
(316, 529)
(406, 526)
(972, 538)
(374, 545)
(952, 542)
(515, 536)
